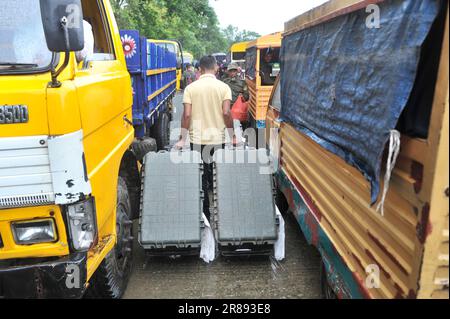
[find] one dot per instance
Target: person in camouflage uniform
(237, 85)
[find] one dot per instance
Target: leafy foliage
(193, 22)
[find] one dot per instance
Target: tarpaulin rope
(394, 151)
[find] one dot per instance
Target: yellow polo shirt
(206, 96)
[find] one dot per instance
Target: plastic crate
(244, 205)
(171, 201)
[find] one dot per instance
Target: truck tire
(162, 131)
(327, 290)
(143, 147)
(111, 278)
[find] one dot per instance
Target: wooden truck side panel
(435, 269)
(331, 200)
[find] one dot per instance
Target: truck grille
(25, 174)
(26, 200)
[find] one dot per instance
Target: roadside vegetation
(193, 22)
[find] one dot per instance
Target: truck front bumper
(63, 278)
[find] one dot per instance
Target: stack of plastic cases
(171, 203)
(244, 215)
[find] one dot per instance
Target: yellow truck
(262, 67)
(67, 171)
(396, 246)
(237, 53)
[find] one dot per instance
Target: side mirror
(63, 25)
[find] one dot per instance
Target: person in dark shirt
(266, 68)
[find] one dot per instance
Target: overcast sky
(262, 16)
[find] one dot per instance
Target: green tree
(193, 22)
(232, 35)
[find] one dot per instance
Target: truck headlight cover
(82, 224)
(34, 232)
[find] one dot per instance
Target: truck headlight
(82, 224)
(34, 232)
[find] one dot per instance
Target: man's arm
(185, 125)
(226, 108)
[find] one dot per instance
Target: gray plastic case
(244, 202)
(171, 201)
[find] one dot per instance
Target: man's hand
(180, 145)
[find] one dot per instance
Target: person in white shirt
(88, 43)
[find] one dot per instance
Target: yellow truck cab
(262, 68)
(66, 170)
(238, 52)
(188, 58)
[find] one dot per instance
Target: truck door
(104, 86)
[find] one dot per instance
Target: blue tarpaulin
(251, 58)
(346, 85)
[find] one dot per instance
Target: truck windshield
(22, 40)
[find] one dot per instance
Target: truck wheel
(143, 147)
(162, 131)
(111, 278)
(327, 290)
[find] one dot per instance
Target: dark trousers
(207, 152)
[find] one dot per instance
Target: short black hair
(208, 62)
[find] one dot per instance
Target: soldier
(236, 84)
(238, 87)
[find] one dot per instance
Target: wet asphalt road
(297, 277)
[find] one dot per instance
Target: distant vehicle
(258, 88)
(238, 53)
(221, 58)
(188, 58)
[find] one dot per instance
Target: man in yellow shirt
(207, 116)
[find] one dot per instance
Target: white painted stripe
(24, 161)
(28, 170)
(13, 143)
(35, 179)
(12, 191)
(24, 152)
